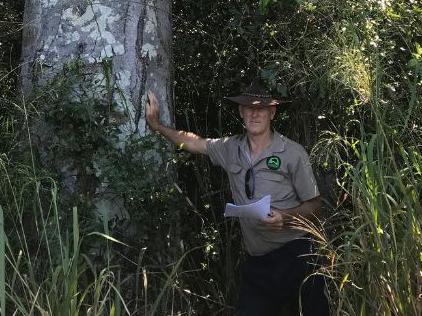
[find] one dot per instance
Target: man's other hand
(274, 221)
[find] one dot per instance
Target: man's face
(257, 118)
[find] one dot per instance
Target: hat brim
(251, 100)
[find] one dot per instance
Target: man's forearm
(186, 140)
(309, 209)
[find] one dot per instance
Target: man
(258, 163)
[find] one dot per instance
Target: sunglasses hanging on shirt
(250, 183)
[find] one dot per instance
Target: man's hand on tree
(152, 111)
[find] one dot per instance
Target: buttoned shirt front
(282, 170)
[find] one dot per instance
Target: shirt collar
(278, 143)
(277, 146)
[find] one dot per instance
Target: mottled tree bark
(135, 36)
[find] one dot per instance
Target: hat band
(257, 95)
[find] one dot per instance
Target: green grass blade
(75, 231)
(2, 267)
(108, 238)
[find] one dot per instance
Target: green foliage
(10, 43)
(10, 26)
(264, 5)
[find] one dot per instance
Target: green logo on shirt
(273, 162)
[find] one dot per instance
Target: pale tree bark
(134, 35)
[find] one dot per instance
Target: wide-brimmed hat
(255, 94)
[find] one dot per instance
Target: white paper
(257, 210)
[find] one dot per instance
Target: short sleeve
(218, 150)
(303, 178)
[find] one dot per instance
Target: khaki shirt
(290, 183)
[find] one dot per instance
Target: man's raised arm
(186, 140)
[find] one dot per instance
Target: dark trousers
(273, 281)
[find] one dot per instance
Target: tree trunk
(136, 35)
(124, 45)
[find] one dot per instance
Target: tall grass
(376, 255)
(379, 261)
(49, 271)
(45, 266)
(2, 265)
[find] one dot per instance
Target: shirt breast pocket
(275, 183)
